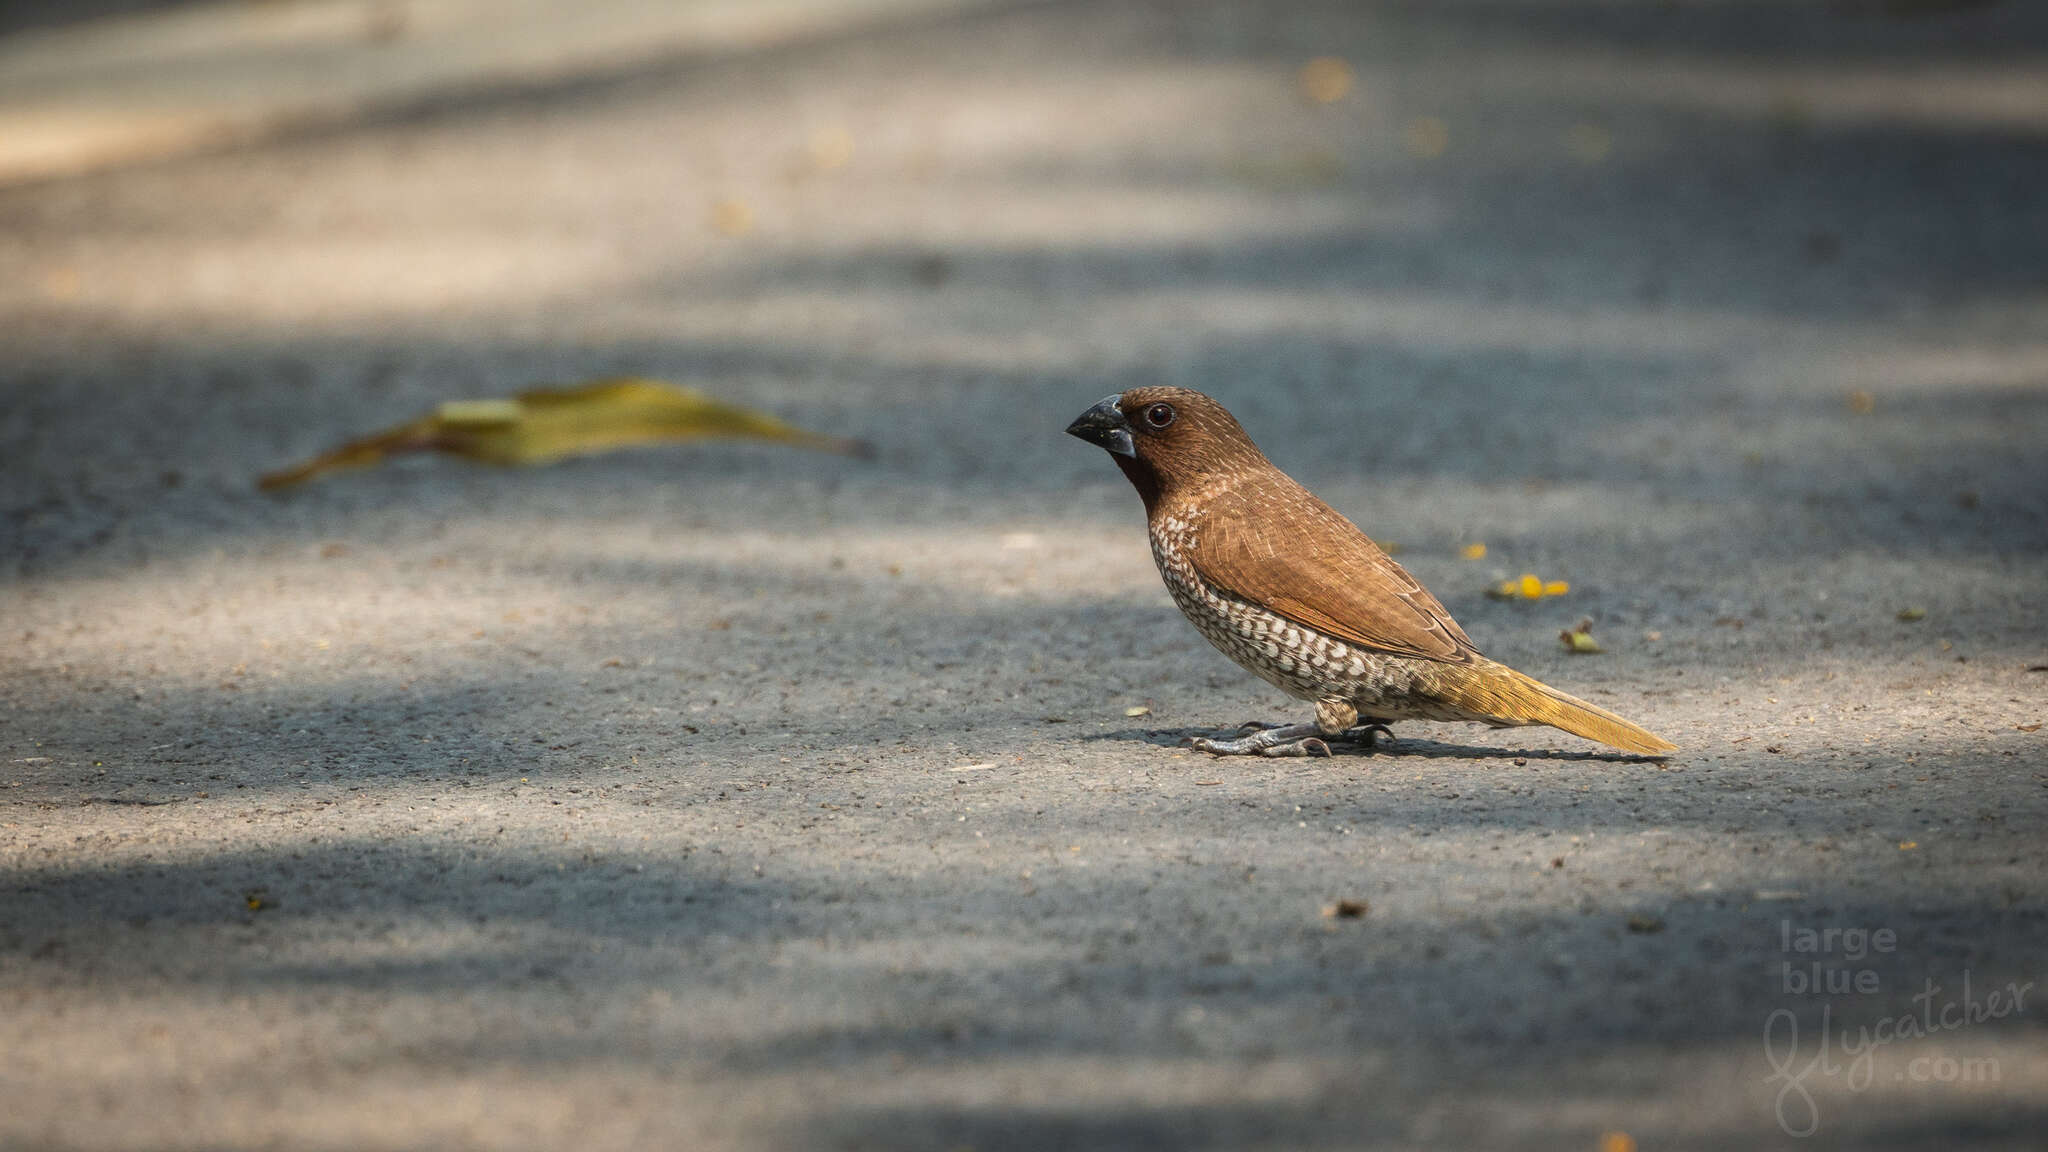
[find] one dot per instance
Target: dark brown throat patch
(1142, 477)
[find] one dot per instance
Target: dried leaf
(1911, 614)
(1474, 551)
(1309, 168)
(1137, 710)
(548, 424)
(1644, 925)
(1580, 640)
(1346, 910)
(1529, 587)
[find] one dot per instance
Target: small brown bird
(1294, 592)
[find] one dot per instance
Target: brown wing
(1273, 543)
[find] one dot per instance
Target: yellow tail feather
(1501, 695)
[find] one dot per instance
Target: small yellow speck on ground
(830, 149)
(732, 217)
(1528, 587)
(1324, 80)
(62, 283)
(1589, 142)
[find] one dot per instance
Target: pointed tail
(1501, 695)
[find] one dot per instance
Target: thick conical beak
(1105, 427)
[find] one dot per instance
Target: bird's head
(1167, 439)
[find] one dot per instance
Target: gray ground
(729, 797)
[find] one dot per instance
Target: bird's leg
(1290, 740)
(1335, 715)
(1337, 719)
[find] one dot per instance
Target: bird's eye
(1159, 415)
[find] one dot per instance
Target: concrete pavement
(729, 797)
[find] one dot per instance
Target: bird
(1295, 593)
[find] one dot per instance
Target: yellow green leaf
(548, 424)
(1473, 551)
(478, 413)
(1580, 640)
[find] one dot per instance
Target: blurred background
(520, 806)
(1500, 241)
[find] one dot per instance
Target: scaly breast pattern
(1299, 661)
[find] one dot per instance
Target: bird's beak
(1105, 427)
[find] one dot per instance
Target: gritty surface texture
(729, 797)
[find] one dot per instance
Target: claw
(1369, 734)
(1254, 726)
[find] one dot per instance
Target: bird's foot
(1258, 738)
(1288, 740)
(1369, 735)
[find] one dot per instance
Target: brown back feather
(1266, 539)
